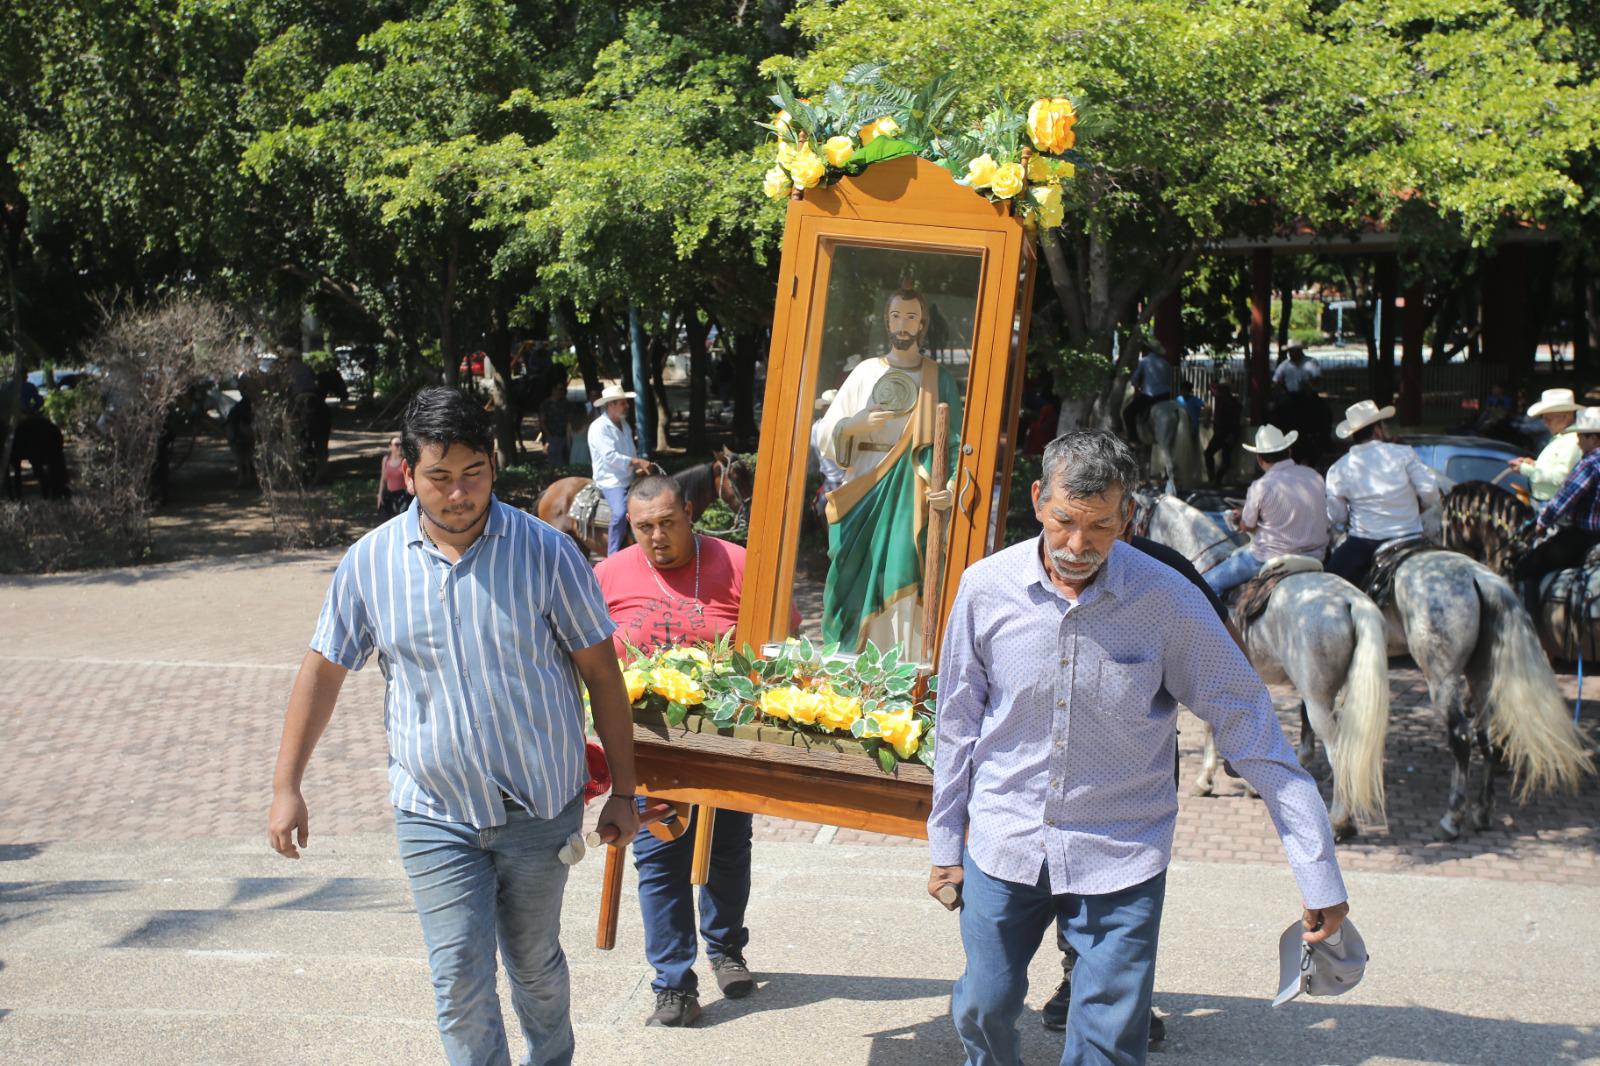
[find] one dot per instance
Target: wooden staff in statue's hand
(939, 501)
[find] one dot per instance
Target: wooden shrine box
(847, 249)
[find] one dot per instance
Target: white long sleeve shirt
(611, 450)
(1380, 489)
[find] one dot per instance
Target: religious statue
(879, 430)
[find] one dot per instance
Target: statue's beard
(902, 342)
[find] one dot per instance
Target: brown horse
(726, 477)
(1486, 523)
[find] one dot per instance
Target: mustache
(1062, 559)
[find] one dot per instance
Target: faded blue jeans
(1235, 570)
(1115, 934)
(474, 887)
(617, 531)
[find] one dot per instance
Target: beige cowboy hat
(1270, 438)
(825, 401)
(613, 392)
(1588, 421)
(1555, 401)
(1359, 416)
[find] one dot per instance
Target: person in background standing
(553, 426)
(1192, 406)
(1226, 414)
(393, 497)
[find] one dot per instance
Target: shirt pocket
(1128, 689)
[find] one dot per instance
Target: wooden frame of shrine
(901, 222)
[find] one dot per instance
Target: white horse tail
(1364, 715)
(1528, 716)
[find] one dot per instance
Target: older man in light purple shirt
(1285, 510)
(1062, 667)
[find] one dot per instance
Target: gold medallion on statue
(896, 391)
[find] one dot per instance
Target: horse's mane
(695, 482)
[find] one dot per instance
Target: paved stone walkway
(148, 703)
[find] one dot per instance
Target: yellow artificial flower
(1046, 196)
(693, 659)
(1052, 215)
(806, 169)
(838, 711)
(636, 680)
(883, 127)
(782, 120)
(902, 731)
(805, 707)
(1007, 181)
(980, 172)
(787, 150)
(677, 686)
(1039, 169)
(1050, 122)
(838, 151)
(778, 702)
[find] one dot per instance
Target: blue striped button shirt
(481, 693)
(1055, 727)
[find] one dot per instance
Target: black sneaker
(675, 1009)
(733, 976)
(1054, 1013)
(1158, 1029)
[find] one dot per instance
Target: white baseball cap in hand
(1329, 967)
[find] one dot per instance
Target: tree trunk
(582, 345)
(747, 339)
(447, 319)
(1285, 307)
(699, 370)
(497, 373)
(1585, 321)
(12, 239)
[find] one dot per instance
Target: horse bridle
(725, 483)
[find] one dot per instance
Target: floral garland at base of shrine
(1012, 156)
(803, 688)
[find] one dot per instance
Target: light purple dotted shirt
(1055, 727)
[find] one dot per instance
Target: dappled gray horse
(1487, 678)
(1320, 634)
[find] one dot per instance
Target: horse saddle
(1254, 594)
(1386, 563)
(590, 510)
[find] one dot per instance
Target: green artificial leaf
(747, 714)
(676, 713)
(742, 686)
(858, 727)
(741, 665)
(933, 683)
(890, 660)
(830, 649)
(925, 755)
(887, 761)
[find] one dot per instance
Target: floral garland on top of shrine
(1014, 156)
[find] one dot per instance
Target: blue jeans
(1236, 569)
(666, 898)
(1352, 559)
(617, 532)
(472, 887)
(1002, 925)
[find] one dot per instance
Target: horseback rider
(1556, 408)
(1378, 489)
(615, 460)
(1565, 545)
(1152, 384)
(1285, 509)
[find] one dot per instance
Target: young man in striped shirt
(484, 619)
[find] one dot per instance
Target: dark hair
(1273, 457)
(1365, 433)
(648, 488)
(441, 416)
(907, 291)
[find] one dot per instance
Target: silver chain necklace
(697, 608)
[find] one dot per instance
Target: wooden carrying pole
(933, 570)
(605, 937)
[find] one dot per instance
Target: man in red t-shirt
(673, 586)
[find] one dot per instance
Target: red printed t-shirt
(651, 614)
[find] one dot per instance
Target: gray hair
(1086, 463)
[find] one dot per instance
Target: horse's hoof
(1344, 831)
(1480, 818)
(1200, 788)
(1446, 833)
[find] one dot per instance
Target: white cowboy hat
(1555, 401)
(1588, 421)
(1271, 439)
(1359, 416)
(612, 392)
(825, 401)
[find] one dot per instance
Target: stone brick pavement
(149, 702)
